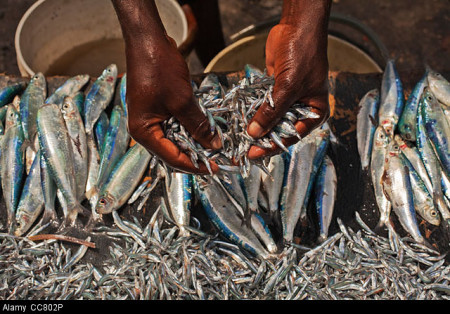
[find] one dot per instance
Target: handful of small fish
(405, 146)
(229, 112)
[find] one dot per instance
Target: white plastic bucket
(342, 56)
(68, 37)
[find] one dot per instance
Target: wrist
(139, 20)
(299, 12)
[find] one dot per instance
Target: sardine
(391, 99)
(78, 141)
(408, 121)
(115, 144)
(252, 185)
(123, 180)
(99, 96)
(56, 148)
(423, 201)
(412, 154)
(49, 193)
(235, 190)
(101, 127)
(366, 124)
(12, 163)
(379, 151)
(273, 182)
(325, 196)
(31, 201)
(179, 198)
(123, 93)
(69, 88)
(295, 183)
(30, 101)
(78, 99)
(439, 86)
(216, 205)
(397, 188)
(437, 128)
(8, 93)
(431, 163)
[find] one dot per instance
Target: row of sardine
(404, 145)
(69, 146)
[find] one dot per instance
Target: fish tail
(92, 192)
(72, 214)
(382, 223)
(50, 215)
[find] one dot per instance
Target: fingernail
(216, 143)
(255, 130)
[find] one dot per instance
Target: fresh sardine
(99, 96)
(366, 124)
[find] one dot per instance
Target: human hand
(159, 87)
(296, 54)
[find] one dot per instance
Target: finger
(303, 127)
(269, 114)
(153, 139)
(197, 124)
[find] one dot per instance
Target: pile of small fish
(348, 266)
(405, 146)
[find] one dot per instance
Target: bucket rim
(24, 67)
(243, 40)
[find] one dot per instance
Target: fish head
(388, 127)
(401, 143)
(394, 148)
(431, 215)
(12, 117)
(38, 79)
(435, 78)
(106, 204)
(82, 78)
(110, 74)
(68, 106)
(23, 223)
(428, 97)
(380, 137)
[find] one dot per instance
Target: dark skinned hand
(158, 87)
(296, 54)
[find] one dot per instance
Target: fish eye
(102, 201)
(429, 97)
(396, 147)
(433, 213)
(66, 106)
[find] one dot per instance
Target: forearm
(311, 13)
(140, 21)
